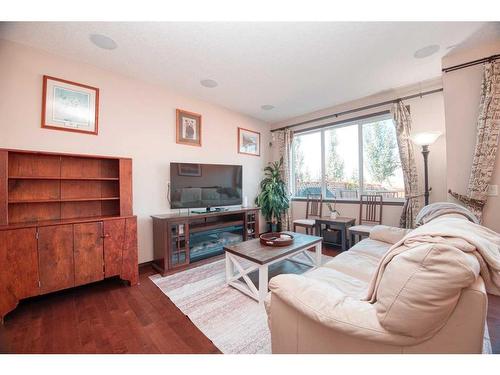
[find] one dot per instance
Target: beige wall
(136, 119)
(427, 114)
(462, 93)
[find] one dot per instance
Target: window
(342, 162)
(348, 160)
(306, 163)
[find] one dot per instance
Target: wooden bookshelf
(65, 220)
(48, 186)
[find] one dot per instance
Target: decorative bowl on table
(276, 239)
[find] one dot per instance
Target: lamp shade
(425, 138)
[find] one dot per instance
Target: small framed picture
(248, 142)
(188, 129)
(69, 106)
(189, 170)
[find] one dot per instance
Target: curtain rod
(471, 63)
(360, 109)
(352, 119)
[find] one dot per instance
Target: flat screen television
(204, 185)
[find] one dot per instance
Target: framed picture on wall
(188, 128)
(248, 142)
(69, 106)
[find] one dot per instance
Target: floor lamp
(425, 139)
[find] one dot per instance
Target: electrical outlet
(492, 190)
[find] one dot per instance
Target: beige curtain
(488, 129)
(402, 121)
(283, 139)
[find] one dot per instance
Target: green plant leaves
(273, 198)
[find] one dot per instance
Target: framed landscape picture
(248, 142)
(188, 128)
(69, 106)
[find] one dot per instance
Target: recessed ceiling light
(426, 51)
(210, 83)
(267, 107)
(102, 41)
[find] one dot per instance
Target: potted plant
(273, 198)
(334, 213)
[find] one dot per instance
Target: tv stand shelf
(173, 248)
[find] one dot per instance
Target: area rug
(235, 323)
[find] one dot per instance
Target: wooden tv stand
(173, 232)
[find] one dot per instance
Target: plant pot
(273, 227)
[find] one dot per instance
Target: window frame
(355, 122)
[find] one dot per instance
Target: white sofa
(323, 311)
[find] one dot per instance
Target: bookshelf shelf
(62, 200)
(63, 178)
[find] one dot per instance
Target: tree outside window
(341, 162)
(382, 166)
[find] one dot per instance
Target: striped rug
(235, 323)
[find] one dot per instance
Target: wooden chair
(370, 214)
(314, 209)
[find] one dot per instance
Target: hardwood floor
(106, 317)
(109, 317)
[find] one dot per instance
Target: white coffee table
(249, 256)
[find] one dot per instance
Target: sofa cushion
(346, 284)
(370, 247)
(388, 234)
(361, 260)
(421, 286)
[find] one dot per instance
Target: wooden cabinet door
(130, 265)
(18, 267)
(3, 187)
(88, 252)
(114, 236)
(178, 238)
(55, 258)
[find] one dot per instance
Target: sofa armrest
(326, 305)
(388, 234)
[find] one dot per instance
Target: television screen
(204, 185)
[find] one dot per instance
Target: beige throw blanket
(453, 231)
(435, 210)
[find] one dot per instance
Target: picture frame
(189, 170)
(69, 106)
(188, 128)
(248, 142)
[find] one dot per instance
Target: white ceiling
(297, 67)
